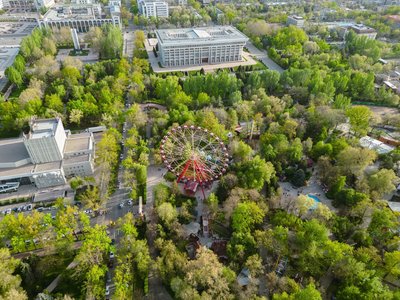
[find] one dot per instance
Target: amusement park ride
(195, 155)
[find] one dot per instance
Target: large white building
(45, 156)
(79, 16)
(29, 5)
(152, 8)
(199, 46)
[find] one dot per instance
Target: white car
(107, 290)
(29, 207)
(129, 202)
(112, 255)
(121, 205)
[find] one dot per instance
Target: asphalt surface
(262, 55)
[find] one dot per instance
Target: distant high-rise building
(151, 8)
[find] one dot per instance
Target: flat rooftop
(50, 166)
(29, 170)
(74, 11)
(360, 28)
(76, 144)
(43, 128)
(76, 159)
(151, 1)
(296, 17)
(216, 34)
(12, 150)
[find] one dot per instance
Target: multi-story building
(29, 5)
(151, 8)
(363, 30)
(199, 46)
(295, 20)
(358, 29)
(45, 156)
(79, 16)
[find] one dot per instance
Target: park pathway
(262, 55)
(55, 282)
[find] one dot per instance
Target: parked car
(29, 207)
(121, 205)
(112, 255)
(129, 202)
(107, 290)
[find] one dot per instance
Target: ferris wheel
(194, 154)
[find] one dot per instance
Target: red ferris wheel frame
(195, 154)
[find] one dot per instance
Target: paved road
(262, 55)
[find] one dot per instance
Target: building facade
(45, 156)
(79, 16)
(295, 20)
(200, 46)
(358, 29)
(151, 8)
(28, 5)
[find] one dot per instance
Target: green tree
(14, 75)
(353, 161)
(254, 173)
(246, 216)
(167, 213)
(381, 183)
(10, 283)
(111, 43)
(207, 275)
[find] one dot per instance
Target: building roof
(374, 144)
(216, 34)
(394, 18)
(43, 128)
(12, 150)
(29, 170)
(72, 11)
(360, 28)
(76, 159)
(77, 143)
(159, 2)
(394, 206)
(298, 18)
(50, 166)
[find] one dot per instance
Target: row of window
(237, 45)
(184, 62)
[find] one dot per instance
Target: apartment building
(151, 8)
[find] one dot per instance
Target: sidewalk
(54, 283)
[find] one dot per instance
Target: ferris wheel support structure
(194, 154)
